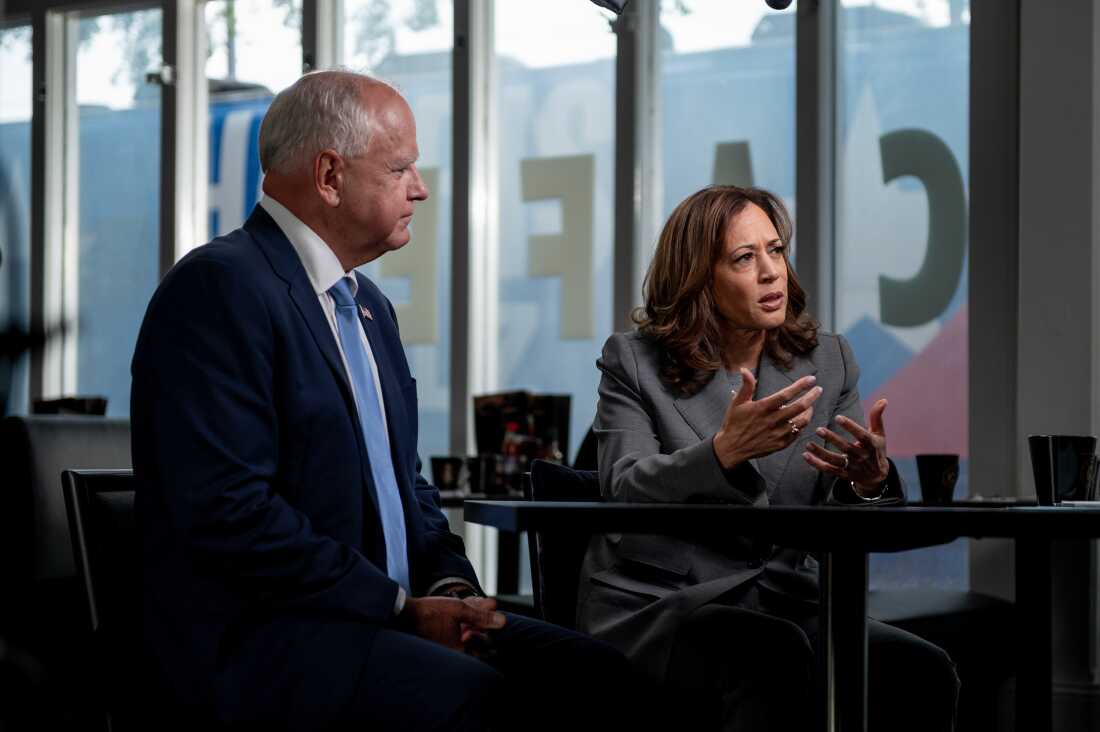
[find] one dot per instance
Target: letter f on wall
(567, 254)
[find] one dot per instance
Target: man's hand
(448, 621)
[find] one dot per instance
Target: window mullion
(815, 157)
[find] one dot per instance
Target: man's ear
(328, 176)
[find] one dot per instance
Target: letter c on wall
(923, 298)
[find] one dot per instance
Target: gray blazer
(654, 446)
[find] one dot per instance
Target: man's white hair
(322, 110)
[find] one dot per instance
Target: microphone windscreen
(778, 4)
(615, 6)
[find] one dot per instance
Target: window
(556, 110)
(118, 129)
(900, 277)
(408, 44)
(15, 206)
(727, 97)
(255, 51)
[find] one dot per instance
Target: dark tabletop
(811, 528)
(455, 499)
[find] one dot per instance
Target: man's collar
(322, 267)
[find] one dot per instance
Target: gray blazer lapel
(772, 379)
(704, 411)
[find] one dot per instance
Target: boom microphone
(778, 4)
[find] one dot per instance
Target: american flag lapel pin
(366, 312)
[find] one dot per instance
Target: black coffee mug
(938, 475)
(1094, 479)
(446, 472)
(483, 474)
(1062, 466)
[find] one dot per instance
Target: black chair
(106, 551)
(556, 556)
(588, 453)
(972, 628)
(41, 611)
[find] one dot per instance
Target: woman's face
(750, 279)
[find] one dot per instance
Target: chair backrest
(107, 555)
(588, 453)
(34, 540)
(556, 555)
(41, 598)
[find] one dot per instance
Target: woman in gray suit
(728, 393)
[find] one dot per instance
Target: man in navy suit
(298, 570)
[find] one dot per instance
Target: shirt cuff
(452, 581)
(399, 601)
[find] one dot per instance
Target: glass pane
(255, 51)
(15, 207)
(119, 131)
(901, 257)
(408, 43)
(556, 110)
(727, 86)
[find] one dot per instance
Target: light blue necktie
(374, 431)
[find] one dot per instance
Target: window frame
(473, 333)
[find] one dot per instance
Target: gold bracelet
(881, 492)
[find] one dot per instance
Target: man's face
(382, 185)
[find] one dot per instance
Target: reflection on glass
(255, 51)
(556, 117)
(727, 89)
(901, 285)
(254, 42)
(408, 43)
(15, 205)
(377, 33)
(119, 131)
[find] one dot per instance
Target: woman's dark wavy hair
(680, 313)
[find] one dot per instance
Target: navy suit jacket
(255, 500)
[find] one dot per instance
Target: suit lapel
(308, 305)
(305, 299)
(286, 264)
(705, 410)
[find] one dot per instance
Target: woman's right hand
(755, 428)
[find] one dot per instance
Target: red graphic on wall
(929, 397)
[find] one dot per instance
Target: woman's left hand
(862, 461)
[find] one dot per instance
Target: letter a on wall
(567, 254)
(732, 164)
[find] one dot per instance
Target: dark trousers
(537, 676)
(750, 662)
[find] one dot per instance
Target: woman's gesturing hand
(863, 461)
(754, 428)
